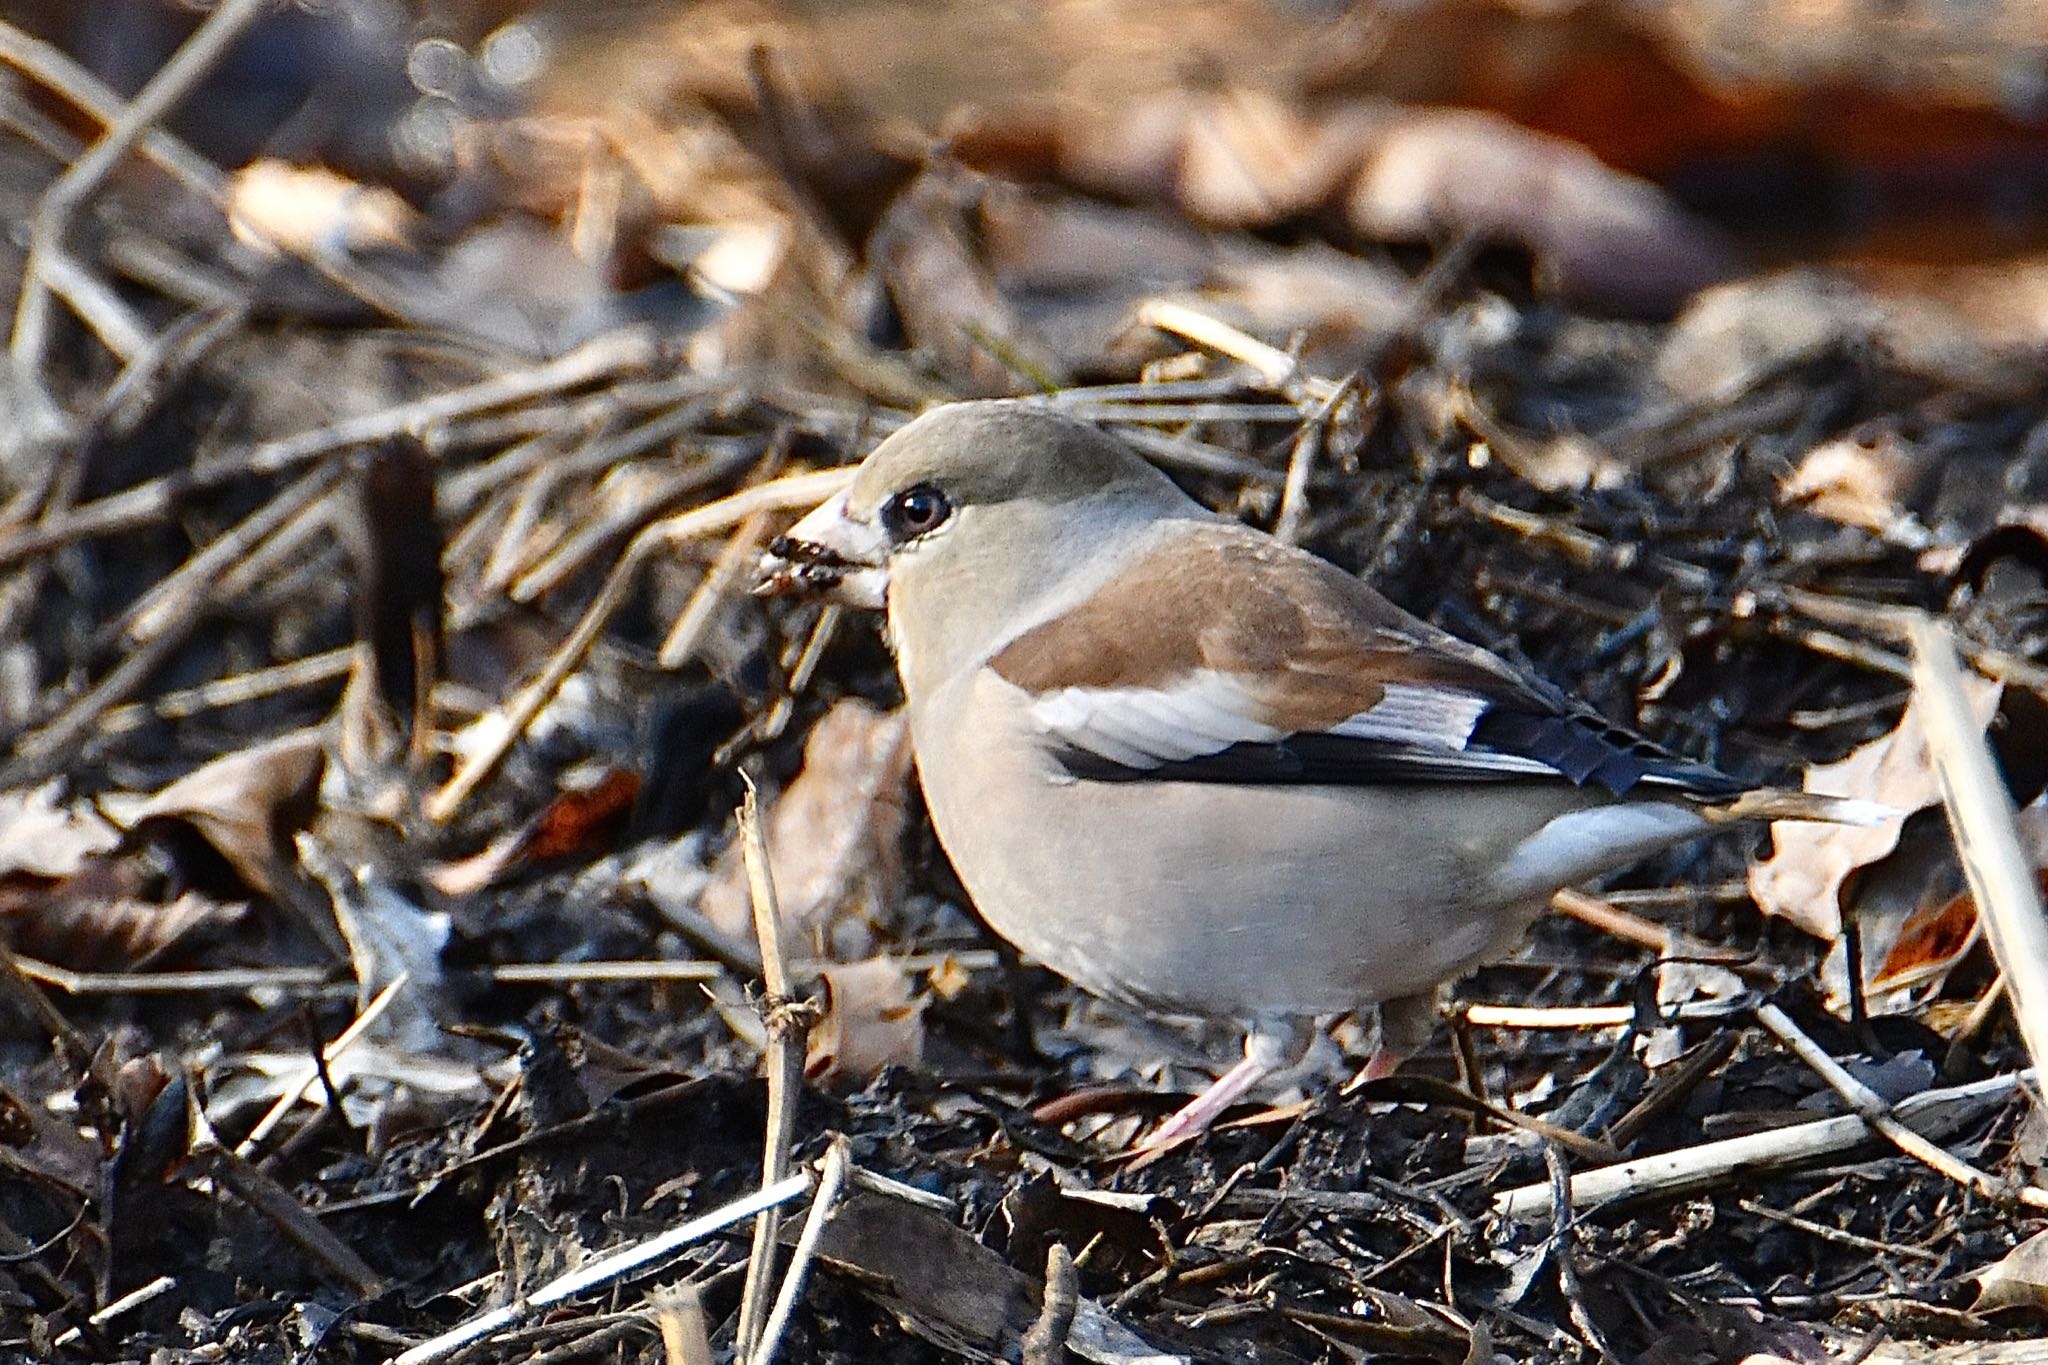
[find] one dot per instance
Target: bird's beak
(831, 555)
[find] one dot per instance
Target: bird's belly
(1225, 900)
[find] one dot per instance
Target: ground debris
(379, 681)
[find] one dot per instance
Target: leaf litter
(383, 973)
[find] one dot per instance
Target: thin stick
(1159, 410)
(295, 1091)
(1632, 928)
(127, 1303)
(189, 65)
(679, 1313)
(1554, 1017)
(779, 715)
(71, 1046)
(153, 499)
(111, 321)
(301, 979)
(1611, 919)
(571, 556)
(1980, 817)
(1308, 446)
(1564, 1240)
(713, 591)
(178, 983)
(53, 744)
(787, 1020)
(831, 1183)
(606, 1269)
(1872, 1109)
(798, 490)
(329, 666)
(283, 1208)
(1280, 370)
(1045, 1342)
(174, 597)
(55, 70)
(1839, 1235)
(181, 348)
(1980, 1013)
(1671, 1174)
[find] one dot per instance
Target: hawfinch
(1191, 768)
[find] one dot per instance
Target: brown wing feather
(1315, 644)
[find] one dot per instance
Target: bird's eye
(914, 512)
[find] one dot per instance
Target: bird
(1202, 772)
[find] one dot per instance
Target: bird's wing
(1220, 655)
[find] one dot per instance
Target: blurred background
(384, 450)
(1899, 137)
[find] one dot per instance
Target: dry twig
(1045, 1343)
(798, 490)
(787, 1019)
(607, 1269)
(176, 79)
(1872, 1109)
(1980, 817)
(831, 1184)
(1670, 1174)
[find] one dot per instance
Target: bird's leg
(1270, 1045)
(1405, 1028)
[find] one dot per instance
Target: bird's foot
(1405, 1025)
(1194, 1118)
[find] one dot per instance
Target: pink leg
(1270, 1045)
(1405, 1027)
(1204, 1109)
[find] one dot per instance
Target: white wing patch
(1147, 727)
(1209, 711)
(1431, 717)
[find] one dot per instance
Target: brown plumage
(1314, 645)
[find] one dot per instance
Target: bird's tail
(1771, 803)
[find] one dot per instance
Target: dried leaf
(1934, 935)
(1861, 481)
(388, 936)
(314, 212)
(1609, 239)
(98, 921)
(2019, 1279)
(1802, 879)
(582, 822)
(873, 1018)
(1250, 161)
(41, 837)
(945, 291)
(1917, 916)
(248, 804)
(835, 839)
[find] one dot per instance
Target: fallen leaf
(1863, 481)
(2019, 1279)
(97, 920)
(945, 292)
(314, 212)
(1608, 239)
(247, 805)
(1802, 879)
(388, 936)
(873, 1018)
(41, 837)
(835, 840)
